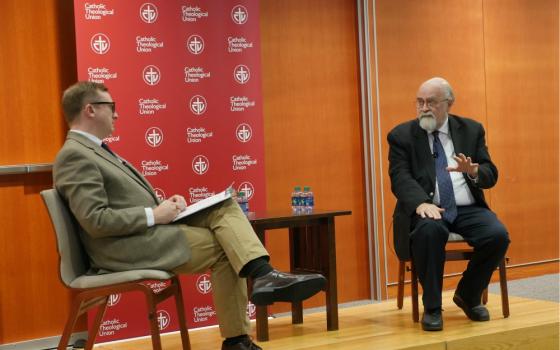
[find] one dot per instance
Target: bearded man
(439, 164)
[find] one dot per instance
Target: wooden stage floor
(533, 324)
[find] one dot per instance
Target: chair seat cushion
(92, 281)
(455, 237)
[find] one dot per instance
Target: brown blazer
(108, 198)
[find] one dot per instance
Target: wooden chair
(94, 290)
(452, 254)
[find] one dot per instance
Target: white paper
(205, 203)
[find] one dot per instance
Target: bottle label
(295, 201)
(243, 203)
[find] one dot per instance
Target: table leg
(331, 292)
(297, 312)
(262, 323)
(296, 254)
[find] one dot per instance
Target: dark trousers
(481, 229)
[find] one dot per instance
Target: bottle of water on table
(243, 201)
(308, 200)
(296, 200)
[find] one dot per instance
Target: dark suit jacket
(413, 175)
(108, 199)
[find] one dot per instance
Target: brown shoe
(280, 286)
(246, 344)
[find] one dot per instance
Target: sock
(256, 268)
(235, 340)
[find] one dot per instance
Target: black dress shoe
(432, 321)
(280, 286)
(246, 344)
(475, 313)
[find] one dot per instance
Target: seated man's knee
(501, 238)
(429, 229)
(228, 205)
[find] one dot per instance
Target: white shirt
(463, 195)
(149, 211)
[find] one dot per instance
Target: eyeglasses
(429, 102)
(111, 104)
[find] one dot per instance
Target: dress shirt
(149, 211)
(463, 195)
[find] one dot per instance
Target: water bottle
(296, 200)
(243, 201)
(308, 200)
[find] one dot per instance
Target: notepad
(206, 202)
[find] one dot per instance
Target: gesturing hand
(464, 165)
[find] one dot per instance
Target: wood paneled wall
(312, 125)
(37, 61)
(501, 57)
(521, 45)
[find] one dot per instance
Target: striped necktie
(445, 186)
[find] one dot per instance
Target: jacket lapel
(456, 136)
(127, 169)
(140, 177)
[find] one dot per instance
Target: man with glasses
(124, 226)
(439, 164)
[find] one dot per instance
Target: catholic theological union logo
(239, 14)
(203, 284)
(100, 43)
(251, 309)
(148, 12)
(154, 137)
(159, 194)
(163, 319)
(200, 164)
(243, 132)
(113, 299)
(151, 75)
(247, 188)
(195, 44)
(241, 74)
(198, 104)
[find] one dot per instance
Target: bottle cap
(306, 188)
(297, 188)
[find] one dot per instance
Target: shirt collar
(444, 129)
(92, 137)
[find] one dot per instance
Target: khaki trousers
(223, 241)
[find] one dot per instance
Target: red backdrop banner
(185, 76)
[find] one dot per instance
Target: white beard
(427, 122)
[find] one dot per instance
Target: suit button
(431, 194)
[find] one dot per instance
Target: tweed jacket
(107, 197)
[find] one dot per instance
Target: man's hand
(465, 165)
(428, 210)
(179, 200)
(167, 210)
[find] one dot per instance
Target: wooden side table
(312, 250)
